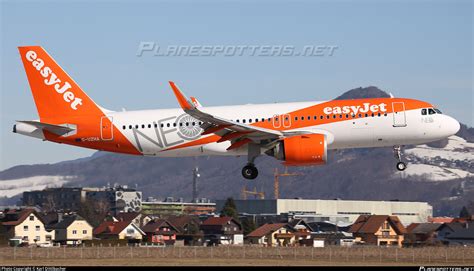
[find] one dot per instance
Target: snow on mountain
(13, 187)
(457, 149)
(455, 160)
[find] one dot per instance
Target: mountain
(440, 173)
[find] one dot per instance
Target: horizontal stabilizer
(53, 128)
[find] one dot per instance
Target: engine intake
(301, 150)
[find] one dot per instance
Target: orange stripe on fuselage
(318, 111)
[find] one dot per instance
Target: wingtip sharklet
(182, 100)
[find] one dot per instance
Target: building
(276, 234)
(118, 199)
(457, 233)
(380, 230)
(421, 234)
(25, 227)
(178, 207)
(160, 231)
(222, 230)
(347, 211)
(120, 230)
(72, 230)
(53, 199)
(188, 229)
(138, 219)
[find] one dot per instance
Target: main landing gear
(397, 151)
(249, 171)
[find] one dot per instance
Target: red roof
(266, 229)
(111, 227)
(127, 216)
(155, 225)
(441, 219)
(217, 221)
(14, 217)
(372, 223)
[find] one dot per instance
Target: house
(222, 230)
(272, 234)
(119, 230)
(188, 231)
(25, 227)
(72, 230)
(160, 231)
(380, 230)
(418, 234)
(302, 231)
(138, 219)
(456, 233)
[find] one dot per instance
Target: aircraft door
(399, 117)
(106, 128)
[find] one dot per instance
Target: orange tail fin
(57, 96)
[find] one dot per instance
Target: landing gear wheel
(249, 172)
(401, 166)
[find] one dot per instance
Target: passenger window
(309, 117)
(302, 118)
(136, 126)
(423, 111)
(322, 117)
(167, 125)
(431, 111)
(256, 120)
(174, 124)
(149, 125)
(143, 126)
(296, 118)
(162, 125)
(250, 120)
(243, 120)
(130, 127)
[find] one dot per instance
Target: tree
(94, 211)
(230, 209)
(464, 213)
(248, 225)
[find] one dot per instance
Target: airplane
(298, 133)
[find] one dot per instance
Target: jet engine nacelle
(301, 150)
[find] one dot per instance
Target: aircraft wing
(238, 133)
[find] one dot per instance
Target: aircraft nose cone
(452, 126)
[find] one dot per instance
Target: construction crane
(276, 180)
(245, 192)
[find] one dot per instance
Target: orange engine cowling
(301, 150)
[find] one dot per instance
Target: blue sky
(416, 49)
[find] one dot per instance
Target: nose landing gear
(401, 166)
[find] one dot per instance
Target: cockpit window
(431, 111)
(423, 111)
(437, 111)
